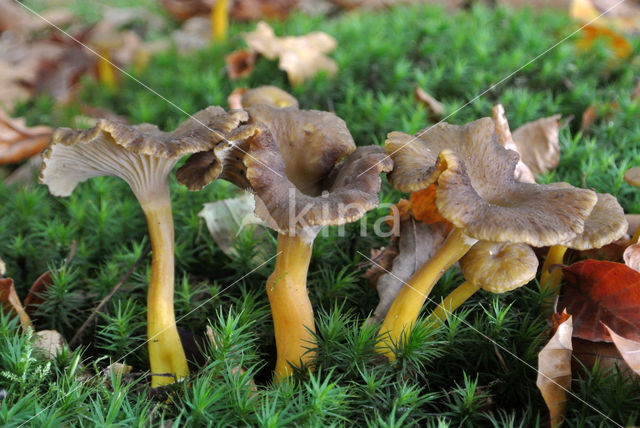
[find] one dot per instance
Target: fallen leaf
(185, 9)
(418, 242)
(18, 142)
(34, 297)
(554, 372)
(614, 41)
(537, 143)
(3, 268)
(629, 349)
(382, 261)
(398, 213)
(240, 63)
(624, 16)
(383, 4)
(227, 218)
(423, 206)
(118, 369)
(631, 257)
(435, 108)
(302, 57)
(599, 292)
(50, 342)
(253, 10)
(10, 301)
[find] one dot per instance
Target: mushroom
(143, 156)
(496, 267)
(605, 224)
(293, 168)
(478, 194)
(220, 20)
(269, 95)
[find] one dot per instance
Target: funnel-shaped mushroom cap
(142, 155)
(344, 193)
(310, 142)
(269, 95)
(477, 190)
(605, 224)
(632, 176)
(499, 267)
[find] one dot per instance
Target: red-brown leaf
(602, 292)
(9, 301)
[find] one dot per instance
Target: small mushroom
(220, 20)
(496, 267)
(478, 194)
(143, 156)
(605, 224)
(269, 95)
(295, 170)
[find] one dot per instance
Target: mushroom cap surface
(344, 194)
(134, 153)
(310, 142)
(269, 95)
(477, 190)
(499, 266)
(605, 224)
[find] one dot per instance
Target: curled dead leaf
(18, 142)
(240, 63)
(629, 350)
(10, 301)
(435, 108)
(302, 57)
(631, 257)
(554, 372)
(522, 172)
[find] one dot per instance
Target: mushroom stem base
(550, 280)
(453, 301)
(290, 305)
(166, 355)
(219, 20)
(405, 309)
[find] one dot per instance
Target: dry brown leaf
(185, 9)
(240, 63)
(253, 10)
(537, 143)
(382, 261)
(18, 142)
(10, 301)
(554, 372)
(629, 349)
(418, 243)
(522, 172)
(616, 42)
(118, 369)
(50, 342)
(383, 4)
(302, 57)
(624, 16)
(435, 108)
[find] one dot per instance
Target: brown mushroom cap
(477, 190)
(138, 154)
(269, 95)
(632, 176)
(310, 142)
(605, 224)
(344, 194)
(498, 266)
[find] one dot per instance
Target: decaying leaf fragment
(10, 301)
(18, 142)
(240, 63)
(50, 343)
(631, 257)
(227, 218)
(436, 108)
(302, 57)
(629, 349)
(522, 172)
(554, 372)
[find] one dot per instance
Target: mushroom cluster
(478, 193)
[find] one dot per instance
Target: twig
(108, 297)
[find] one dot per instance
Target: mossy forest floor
(478, 370)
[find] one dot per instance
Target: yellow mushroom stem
(290, 305)
(106, 75)
(636, 235)
(166, 355)
(220, 20)
(550, 280)
(453, 301)
(405, 309)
